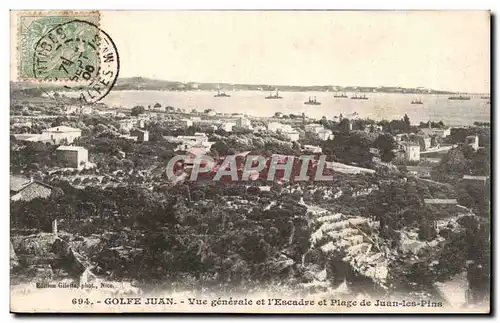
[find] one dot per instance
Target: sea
(379, 106)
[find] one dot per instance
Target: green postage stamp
(41, 38)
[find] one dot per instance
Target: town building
(86, 110)
(159, 109)
(185, 123)
(211, 113)
(474, 180)
(227, 126)
(142, 135)
(375, 128)
(312, 149)
(28, 137)
(411, 151)
(60, 134)
(449, 205)
(348, 125)
(128, 137)
(400, 137)
(259, 129)
(243, 122)
(198, 142)
(127, 124)
(440, 201)
(424, 142)
(472, 141)
(72, 156)
(443, 133)
(313, 128)
(440, 132)
(419, 171)
(27, 189)
(293, 135)
(140, 123)
(325, 134)
(274, 126)
(26, 124)
(71, 110)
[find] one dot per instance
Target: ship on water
(359, 97)
(221, 94)
(417, 101)
(485, 97)
(340, 95)
(459, 97)
(312, 101)
(274, 96)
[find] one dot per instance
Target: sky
(448, 50)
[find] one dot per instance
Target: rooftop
(18, 182)
(477, 178)
(140, 130)
(26, 136)
(72, 148)
(62, 129)
(440, 201)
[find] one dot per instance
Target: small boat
(340, 95)
(459, 97)
(359, 97)
(274, 96)
(221, 95)
(417, 101)
(312, 101)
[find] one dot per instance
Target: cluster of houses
(66, 154)
(195, 145)
(293, 134)
(54, 135)
(411, 145)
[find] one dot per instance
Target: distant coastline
(148, 84)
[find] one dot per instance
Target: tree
(385, 143)
(157, 105)
(453, 164)
(426, 231)
(406, 120)
(138, 109)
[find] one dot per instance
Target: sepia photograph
(250, 161)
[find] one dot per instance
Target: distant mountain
(143, 83)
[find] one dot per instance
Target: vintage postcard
(250, 161)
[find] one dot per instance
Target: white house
(312, 149)
(72, 156)
(472, 141)
(443, 133)
(325, 134)
(185, 123)
(412, 151)
(142, 135)
(293, 135)
(243, 122)
(127, 124)
(314, 128)
(275, 126)
(72, 109)
(60, 133)
(228, 126)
